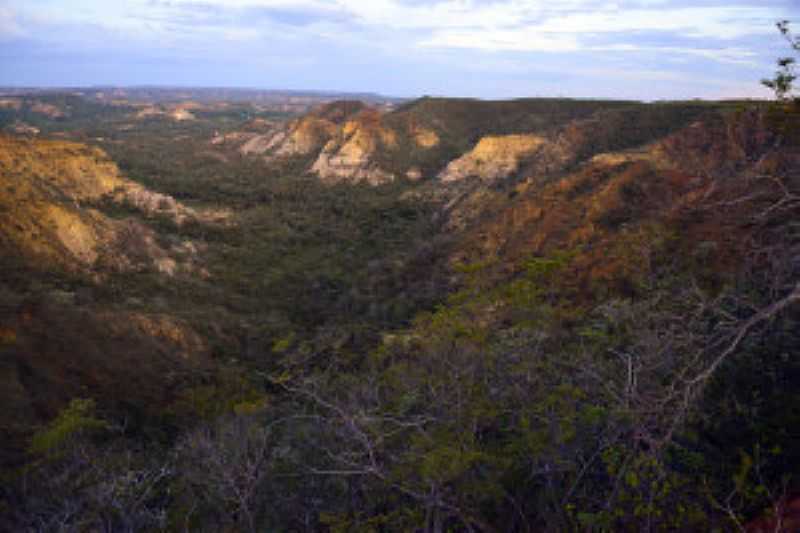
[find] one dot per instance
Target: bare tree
(224, 465)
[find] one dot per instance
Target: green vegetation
(611, 348)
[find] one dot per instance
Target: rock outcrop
(495, 157)
(303, 137)
(258, 144)
(350, 155)
(48, 110)
(49, 197)
(424, 137)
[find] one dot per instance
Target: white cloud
(542, 25)
(450, 21)
(513, 29)
(708, 22)
(519, 39)
(505, 25)
(563, 16)
(738, 56)
(9, 27)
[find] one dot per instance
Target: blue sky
(644, 49)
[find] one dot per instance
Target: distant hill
(163, 94)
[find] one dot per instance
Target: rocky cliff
(350, 154)
(49, 198)
(493, 158)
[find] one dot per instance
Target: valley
(244, 311)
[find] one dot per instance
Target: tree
(85, 476)
(224, 466)
(781, 84)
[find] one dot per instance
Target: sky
(641, 49)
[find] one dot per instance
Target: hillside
(675, 180)
(417, 141)
(532, 315)
(58, 248)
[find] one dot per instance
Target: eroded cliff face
(495, 157)
(49, 197)
(350, 155)
(344, 142)
(424, 137)
(303, 137)
(43, 184)
(704, 183)
(257, 144)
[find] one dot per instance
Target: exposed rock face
(348, 141)
(425, 138)
(349, 156)
(260, 144)
(252, 142)
(148, 111)
(81, 234)
(47, 189)
(178, 112)
(181, 114)
(493, 158)
(48, 110)
(77, 171)
(306, 135)
(342, 137)
(414, 174)
(33, 175)
(155, 203)
(303, 137)
(11, 103)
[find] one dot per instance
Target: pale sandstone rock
(414, 174)
(44, 186)
(493, 158)
(349, 158)
(425, 138)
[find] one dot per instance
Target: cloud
(575, 31)
(505, 46)
(567, 26)
(707, 22)
(520, 39)
(564, 16)
(739, 56)
(9, 27)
